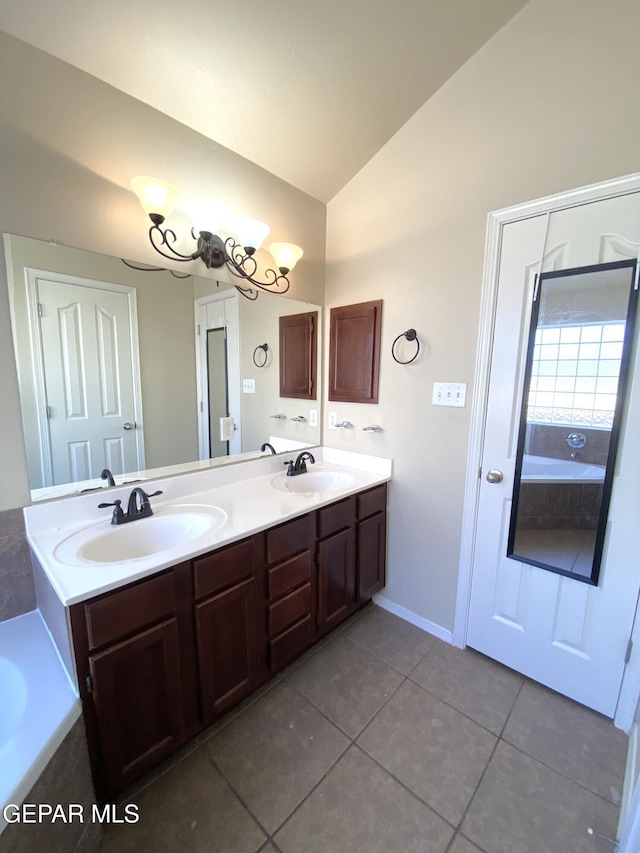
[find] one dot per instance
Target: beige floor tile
(477, 686)
(275, 752)
(392, 639)
(522, 806)
(570, 738)
(359, 807)
(346, 683)
(431, 748)
(190, 808)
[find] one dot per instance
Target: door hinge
(627, 656)
(317, 620)
(199, 330)
(201, 406)
(479, 473)
(40, 312)
(49, 412)
(89, 684)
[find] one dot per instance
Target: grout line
(218, 770)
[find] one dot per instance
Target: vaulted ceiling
(308, 90)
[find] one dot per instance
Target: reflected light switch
(248, 386)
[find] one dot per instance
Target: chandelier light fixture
(236, 252)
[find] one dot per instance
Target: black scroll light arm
(262, 363)
(410, 335)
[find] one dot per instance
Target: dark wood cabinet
(136, 688)
(299, 355)
(160, 659)
(354, 352)
(227, 649)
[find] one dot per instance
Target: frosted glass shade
(286, 255)
(205, 215)
(251, 232)
(155, 196)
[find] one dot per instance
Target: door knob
(494, 476)
(129, 425)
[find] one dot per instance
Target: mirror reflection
(143, 373)
(577, 362)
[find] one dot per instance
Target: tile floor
(386, 739)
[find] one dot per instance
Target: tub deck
(39, 705)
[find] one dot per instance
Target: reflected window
(574, 374)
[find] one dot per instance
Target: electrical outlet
(226, 429)
(449, 394)
(313, 417)
(333, 419)
(248, 386)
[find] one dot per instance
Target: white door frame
(496, 222)
(233, 370)
(37, 359)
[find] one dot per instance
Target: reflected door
(88, 377)
(556, 629)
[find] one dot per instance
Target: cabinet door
(371, 555)
(336, 578)
(227, 649)
(137, 697)
(298, 355)
(354, 352)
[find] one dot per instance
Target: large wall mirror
(163, 359)
(578, 358)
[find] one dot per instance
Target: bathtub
(38, 705)
(544, 469)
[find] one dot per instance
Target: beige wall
(548, 104)
(68, 146)
(259, 323)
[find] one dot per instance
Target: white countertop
(243, 492)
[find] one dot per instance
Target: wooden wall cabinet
(354, 352)
(160, 659)
(299, 355)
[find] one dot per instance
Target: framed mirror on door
(577, 364)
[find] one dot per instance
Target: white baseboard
(418, 621)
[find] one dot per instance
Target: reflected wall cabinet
(354, 352)
(298, 355)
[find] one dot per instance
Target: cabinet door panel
(138, 702)
(227, 651)
(371, 555)
(337, 574)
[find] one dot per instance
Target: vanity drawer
(375, 500)
(289, 645)
(336, 517)
(223, 568)
(132, 609)
(289, 538)
(289, 609)
(290, 574)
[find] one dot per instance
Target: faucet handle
(117, 512)
(155, 494)
(290, 469)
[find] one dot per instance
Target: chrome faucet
(269, 446)
(134, 511)
(300, 465)
(106, 474)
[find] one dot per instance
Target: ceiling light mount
(236, 252)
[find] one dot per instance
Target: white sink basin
(315, 482)
(168, 528)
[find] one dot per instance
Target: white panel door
(88, 373)
(563, 633)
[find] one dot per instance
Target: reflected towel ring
(264, 347)
(410, 335)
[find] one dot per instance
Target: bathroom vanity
(162, 655)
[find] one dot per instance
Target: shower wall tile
(17, 591)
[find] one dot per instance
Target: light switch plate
(333, 419)
(449, 394)
(313, 417)
(226, 429)
(248, 386)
